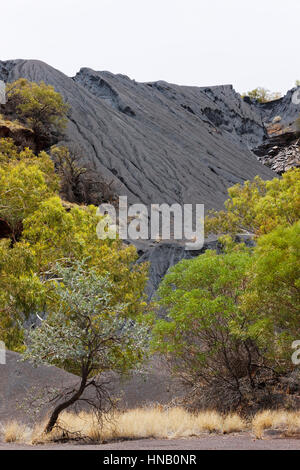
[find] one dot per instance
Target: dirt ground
(17, 379)
(214, 442)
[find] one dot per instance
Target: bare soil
(241, 441)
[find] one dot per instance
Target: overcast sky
(247, 43)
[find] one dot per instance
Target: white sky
(247, 43)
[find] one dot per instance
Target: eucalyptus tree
(88, 333)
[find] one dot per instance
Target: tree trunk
(62, 406)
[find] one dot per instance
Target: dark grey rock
(162, 256)
(159, 142)
(20, 381)
(283, 107)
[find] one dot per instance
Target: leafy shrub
(262, 95)
(232, 317)
(39, 106)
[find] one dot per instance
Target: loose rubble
(281, 160)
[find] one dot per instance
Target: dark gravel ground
(18, 378)
(214, 442)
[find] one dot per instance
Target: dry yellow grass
(16, 432)
(234, 423)
(153, 423)
(288, 421)
(12, 125)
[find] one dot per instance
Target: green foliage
(258, 206)
(22, 189)
(206, 338)
(201, 297)
(87, 329)
(262, 95)
(273, 291)
(25, 181)
(38, 105)
(8, 151)
(88, 334)
(55, 233)
(42, 230)
(232, 317)
(21, 291)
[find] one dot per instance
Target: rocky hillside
(284, 108)
(280, 152)
(159, 142)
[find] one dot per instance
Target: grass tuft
(16, 432)
(157, 423)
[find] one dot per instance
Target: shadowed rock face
(284, 107)
(21, 135)
(159, 142)
(162, 256)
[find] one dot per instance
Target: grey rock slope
(162, 256)
(20, 382)
(159, 142)
(287, 107)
